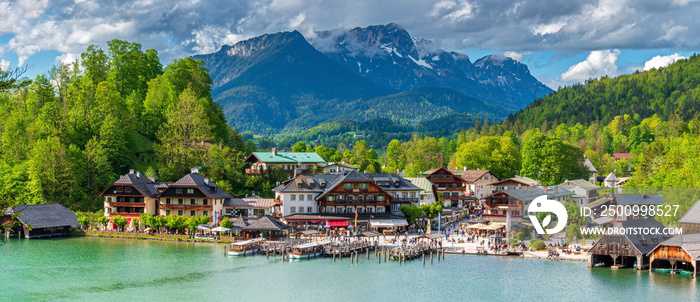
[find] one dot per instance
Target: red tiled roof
(622, 155)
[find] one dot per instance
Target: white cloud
(453, 11)
(598, 63)
(518, 56)
(662, 61)
(4, 64)
(544, 29)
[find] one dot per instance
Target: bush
(520, 235)
(537, 244)
(513, 242)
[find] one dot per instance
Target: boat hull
(302, 256)
(232, 253)
(686, 273)
(662, 270)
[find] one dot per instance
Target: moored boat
(308, 250)
(663, 270)
(686, 273)
(245, 247)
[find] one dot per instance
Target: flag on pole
(355, 227)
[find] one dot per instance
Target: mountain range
(284, 82)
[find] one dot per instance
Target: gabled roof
(346, 165)
(266, 223)
(693, 215)
(313, 183)
(584, 184)
(689, 242)
(239, 222)
(638, 199)
(143, 184)
(287, 157)
(521, 179)
(353, 176)
(208, 187)
(587, 163)
(423, 183)
(395, 182)
(622, 155)
(446, 170)
(611, 177)
(253, 202)
(45, 215)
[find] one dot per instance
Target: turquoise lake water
(96, 269)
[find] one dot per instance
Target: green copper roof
(289, 157)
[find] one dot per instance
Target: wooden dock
(415, 251)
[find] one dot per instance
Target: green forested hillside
(675, 88)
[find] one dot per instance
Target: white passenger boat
(308, 250)
(245, 247)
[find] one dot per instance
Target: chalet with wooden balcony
(680, 254)
(403, 192)
(514, 183)
(625, 248)
(132, 195)
(191, 195)
(303, 162)
(516, 201)
(452, 187)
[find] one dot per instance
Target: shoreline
(448, 250)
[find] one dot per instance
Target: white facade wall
(297, 201)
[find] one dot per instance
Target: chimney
(195, 169)
(206, 181)
(544, 189)
(274, 151)
(131, 171)
(556, 190)
(465, 168)
(297, 172)
(153, 179)
(138, 174)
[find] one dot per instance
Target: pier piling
(431, 257)
(424, 259)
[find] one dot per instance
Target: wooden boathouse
(680, 253)
(41, 220)
(630, 248)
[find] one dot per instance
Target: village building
(192, 195)
(452, 187)
(132, 195)
(584, 191)
(477, 183)
(290, 162)
(266, 227)
(598, 207)
(591, 169)
(39, 220)
(516, 201)
(333, 168)
(427, 193)
(680, 253)
(252, 207)
(627, 249)
(690, 222)
(610, 181)
(298, 195)
(619, 156)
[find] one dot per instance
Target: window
(413, 194)
(331, 198)
(341, 197)
(206, 202)
(364, 186)
(361, 198)
(178, 191)
(347, 186)
(193, 213)
(294, 197)
(380, 198)
(360, 210)
(380, 209)
(301, 197)
(331, 210)
(292, 210)
(127, 189)
(205, 213)
(190, 191)
(167, 212)
(350, 197)
(370, 210)
(180, 201)
(192, 201)
(179, 212)
(109, 199)
(309, 210)
(370, 197)
(167, 201)
(131, 199)
(119, 189)
(309, 197)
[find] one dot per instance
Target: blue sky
(561, 41)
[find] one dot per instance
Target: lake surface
(96, 269)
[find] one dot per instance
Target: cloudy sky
(562, 41)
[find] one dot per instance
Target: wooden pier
(415, 251)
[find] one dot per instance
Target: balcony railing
(405, 199)
(185, 206)
(127, 204)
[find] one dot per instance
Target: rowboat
(662, 270)
(686, 273)
(245, 247)
(308, 250)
